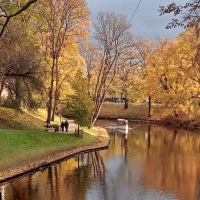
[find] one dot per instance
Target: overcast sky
(146, 22)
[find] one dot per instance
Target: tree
(20, 64)
(158, 72)
(81, 105)
(130, 72)
(92, 55)
(112, 35)
(10, 9)
(189, 12)
(63, 23)
(173, 74)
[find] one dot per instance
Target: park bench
(53, 128)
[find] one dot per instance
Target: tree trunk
(126, 103)
(78, 130)
(51, 93)
(149, 111)
(56, 91)
(97, 109)
(1, 89)
(95, 116)
(54, 107)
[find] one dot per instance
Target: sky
(146, 21)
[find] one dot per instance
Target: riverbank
(159, 114)
(100, 140)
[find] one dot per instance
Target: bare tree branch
(8, 17)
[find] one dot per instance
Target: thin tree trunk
(78, 129)
(54, 107)
(149, 111)
(56, 91)
(1, 89)
(97, 110)
(51, 93)
(126, 103)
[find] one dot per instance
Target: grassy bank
(116, 110)
(13, 119)
(19, 146)
(24, 145)
(137, 112)
(159, 113)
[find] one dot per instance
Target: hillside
(12, 119)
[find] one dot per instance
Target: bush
(10, 102)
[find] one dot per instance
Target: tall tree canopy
(20, 63)
(63, 24)
(173, 74)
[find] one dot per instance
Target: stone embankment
(101, 141)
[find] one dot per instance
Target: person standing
(62, 125)
(66, 125)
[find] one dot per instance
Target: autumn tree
(188, 11)
(145, 47)
(81, 104)
(112, 35)
(11, 9)
(131, 70)
(188, 76)
(20, 64)
(92, 55)
(63, 23)
(173, 73)
(157, 76)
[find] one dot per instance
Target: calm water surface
(147, 163)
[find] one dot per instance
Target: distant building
(116, 98)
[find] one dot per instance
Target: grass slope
(12, 119)
(23, 139)
(18, 146)
(116, 110)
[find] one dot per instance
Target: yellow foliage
(172, 74)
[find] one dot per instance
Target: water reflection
(146, 163)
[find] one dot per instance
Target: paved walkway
(71, 128)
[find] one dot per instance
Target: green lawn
(17, 146)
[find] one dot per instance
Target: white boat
(124, 131)
(122, 124)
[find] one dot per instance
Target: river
(147, 163)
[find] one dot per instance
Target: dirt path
(71, 128)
